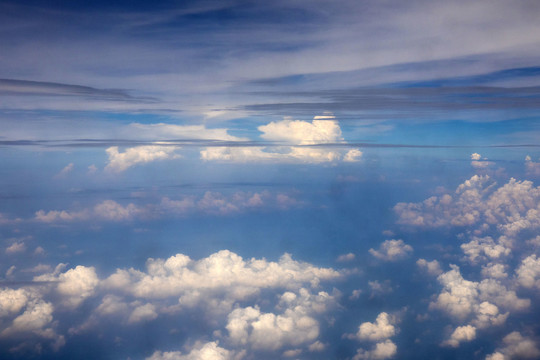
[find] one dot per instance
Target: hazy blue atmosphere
(228, 180)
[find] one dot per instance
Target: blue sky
(227, 180)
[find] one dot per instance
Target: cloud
(511, 208)
(486, 249)
(66, 170)
(382, 328)
(383, 350)
(392, 250)
(532, 168)
(431, 267)
(223, 274)
(477, 302)
(479, 162)
(74, 286)
(16, 247)
(296, 141)
(295, 326)
(144, 312)
(346, 257)
(211, 202)
(528, 273)
(207, 351)
(461, 334)
(119, 162)
(515, 346)
(163, 131)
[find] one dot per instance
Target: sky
(236, 180)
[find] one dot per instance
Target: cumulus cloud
(66, 170)
(486, 248)
(532, 167)
(346, 257)
(392, 250)
(479, 162)
(515, 346)
(382, 328)
(74, 285)
(107, 210)
(207, 351)
(528, 273)
(121, 161)
(461, 334)
(223, 274)
(510, 208)
(16, 247)
(477, 302)
(211, 203)
(383, 350)
(295, 142)
(431, 267)
(295, 326)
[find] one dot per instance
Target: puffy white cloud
(496, 271)
(323, 129)
(382, 328)
(143, 313)
(463, 299)
(532, 167)
(121, 161)
(431, 267)
(295, 326)
(516, 346)
(74, 285)
(294, 140)
(223, 274)
(36, 317)
(528, 273)
(16, 247)
(479, 162)
(163, 131)
(510, 208)
(392, 250)
(207, 351)
(486, 248)
(66, 170)
(383, 350)
(353, 155)
(461, 334)
(211, 203)
(346, 257)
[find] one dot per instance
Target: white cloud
(293, 144)
(296, 132)
(532, 167)
(295, 326)
(486, 248)
(92, 169)
(163, 131)
(495, 271)
(510, 208)
(431, 267)
(207, 351)
(479, 162)
(74, 285)
(211, 203)
(516, 346)
(392, 250)
(461, 334)
(16, 247)
(528, 273)
(346, 257)
(477, 301)
(119, 162)
(144, 312)
(66, 170)
(383, 350)
(382, 328)
(222, 275)
(353, 155)
(476, 156)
